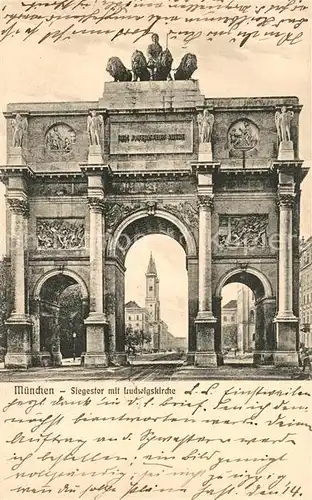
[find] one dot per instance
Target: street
(165, 371)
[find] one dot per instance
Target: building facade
(245, 320)
(229, 325)
(238, 322)
(306, 292)
(84, 180)
(147, 319)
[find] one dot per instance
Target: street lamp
(74, 345)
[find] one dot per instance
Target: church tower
(152, 303)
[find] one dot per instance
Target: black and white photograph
(156, 195)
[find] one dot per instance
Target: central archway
(133, 228)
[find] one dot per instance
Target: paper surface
(204, 440)
(171, 440)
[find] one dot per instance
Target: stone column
(192, 276)
(19, 323)
(205, 321)
(264, 332)
(96, 322)
(115, 310)
(286, 322)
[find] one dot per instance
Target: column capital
(205, 201)
(96, 204)
(285, 200)
(19, 206)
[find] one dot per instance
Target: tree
(131, 340)
(71, 321)
(230, 336)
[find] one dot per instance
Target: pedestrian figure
(306, 362)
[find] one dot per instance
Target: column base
(18, 333)
(286, 151)
(17, 360)
(205, 359)
(95, 155)
(262, 358)
(97, 359)
(286, 328)
(119, 358)
(205, 331)
(205, 317)
(96, 354)
(96, 318)
(286, 358)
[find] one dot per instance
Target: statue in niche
(205, 122)
(20, 126)
(60, 138)
(283, 119)
(95, 124)
(186, 67)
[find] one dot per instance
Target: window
(138, 317)
(225, 318)
(150, 288)
(129, 317)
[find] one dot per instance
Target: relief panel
(243, 231)
(60, 233)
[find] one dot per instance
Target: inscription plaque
(151, 137)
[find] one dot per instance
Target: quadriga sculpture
(186, 67)
(163, 66)
(139, 67)
(118, 70)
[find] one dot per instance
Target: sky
(75, 70)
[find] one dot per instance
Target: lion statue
(186, 67)
(118, 71)
(139, 67)
(163, 66)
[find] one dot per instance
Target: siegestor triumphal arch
(85, 180)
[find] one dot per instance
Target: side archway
(60, 306)
(264, 310)
(255, 279)
(73, 276)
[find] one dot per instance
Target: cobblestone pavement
(165, 372)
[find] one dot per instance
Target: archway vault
(250, 276)
(140, 224)
(65, 278)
